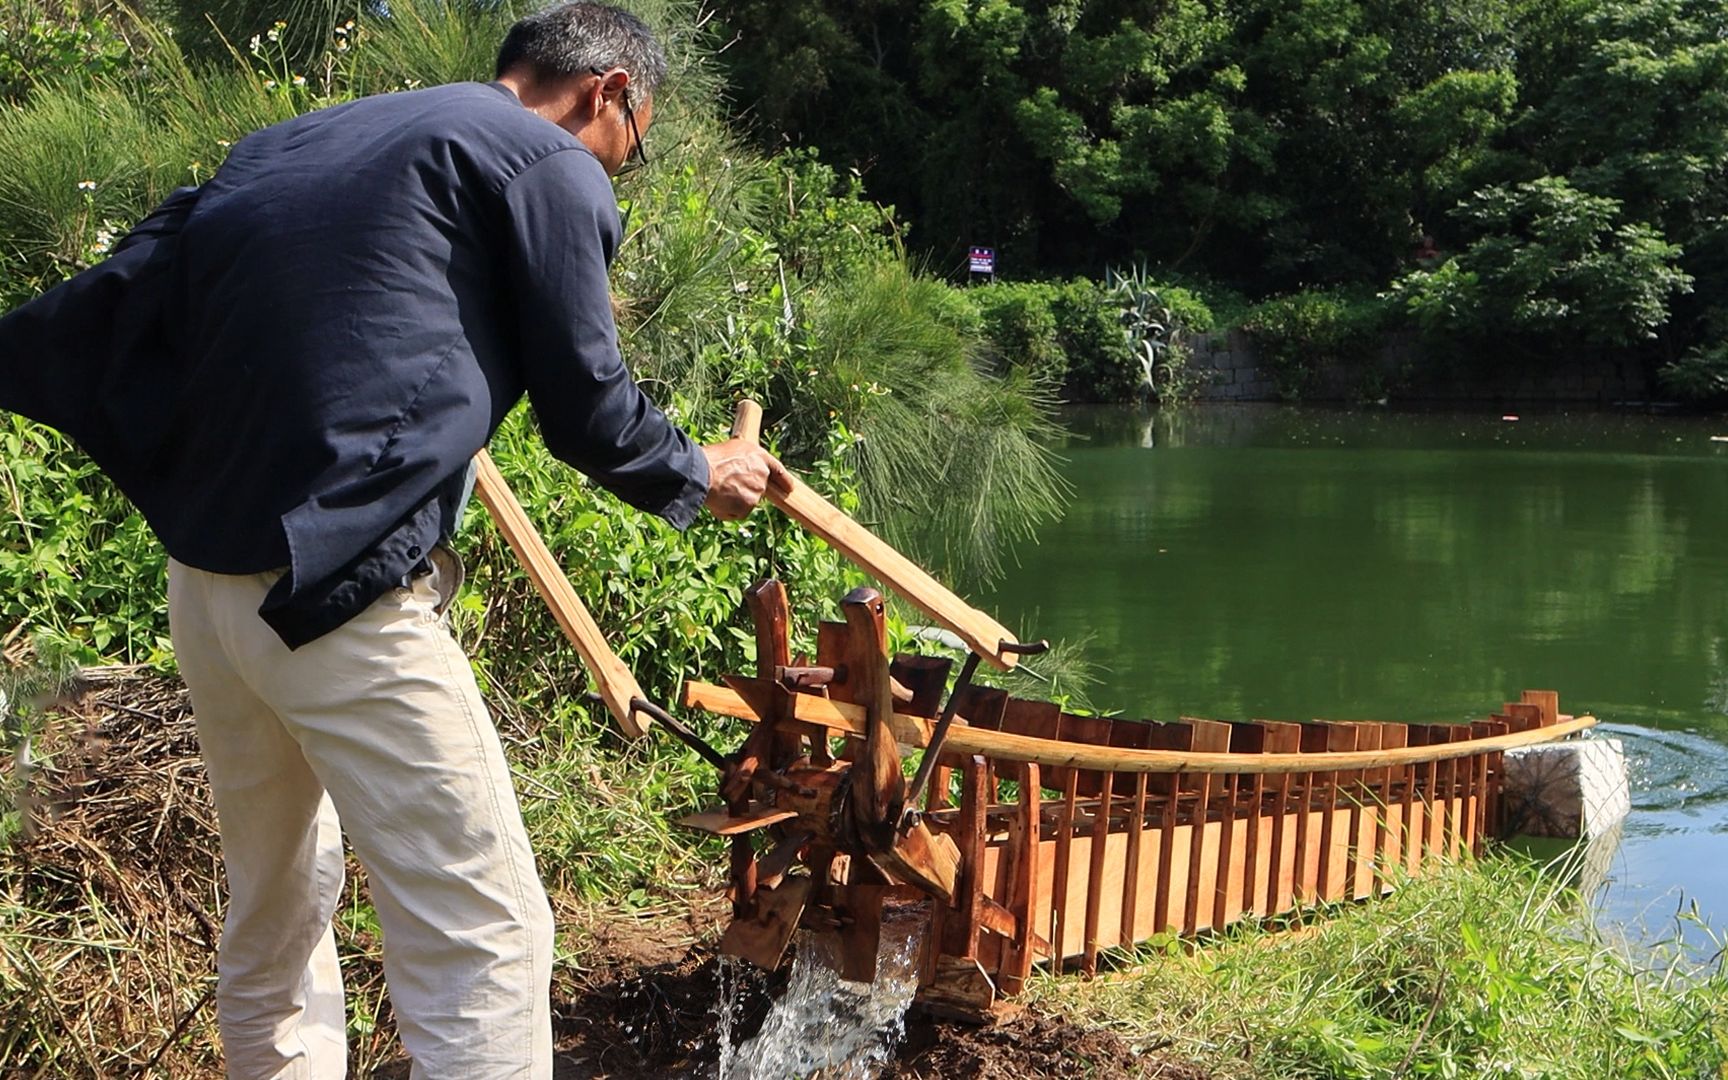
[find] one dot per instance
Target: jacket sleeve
(562, 233)
(90, 352)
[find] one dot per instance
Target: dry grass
(111, 895)
(108, 907)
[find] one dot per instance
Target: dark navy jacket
(293, 364)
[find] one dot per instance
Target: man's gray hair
(573, 39)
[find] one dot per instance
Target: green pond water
(1290, 563)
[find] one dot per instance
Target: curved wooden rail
(914, 731)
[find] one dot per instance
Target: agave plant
(1152, 331)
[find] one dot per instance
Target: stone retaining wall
(1231, 368)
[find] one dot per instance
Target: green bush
(1096, 342)
(1101, 362)
(44, 44)
(1019, 321)
(1700, 375)
(1549, 263)
(822, 224)
(1297, 334)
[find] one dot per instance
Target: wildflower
(275, 32)
(269, 84)
(299, 80)
(223, 143)
(86, 185)
(256, 43)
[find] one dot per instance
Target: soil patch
(1027, 1046)
(663, 1020)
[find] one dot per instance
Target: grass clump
(1482, 970)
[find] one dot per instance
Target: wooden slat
(963, 940)
(1547, 701)
(1359, 859)
(1280, 738)
(1061, 874)
(1239, 861)
(1210, 736)
(981, 707)
(1168, 737)
(1389, 839)
(1096, 874)
(1456, 786)
(1415, 822)
(1491, 814)
(1023, 879)
(1135, 736)
(1039, 720)
(720, 822)
(1479, 729)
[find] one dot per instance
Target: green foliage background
(1569, 157)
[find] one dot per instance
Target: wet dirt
(660, 1018)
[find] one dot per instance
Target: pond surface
(1289, 563)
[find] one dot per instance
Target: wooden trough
(1072, 835)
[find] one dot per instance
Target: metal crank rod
(909, 816)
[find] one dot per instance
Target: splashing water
(824, 1025)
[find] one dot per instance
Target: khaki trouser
(376, 728)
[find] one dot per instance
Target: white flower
(299, 80)
(257, 43)
(269, 84)
(86, 185)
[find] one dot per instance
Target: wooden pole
(982, 634)
(618, 687)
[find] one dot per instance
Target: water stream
(822, 1025)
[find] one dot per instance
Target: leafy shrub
(1093, 340)
(1019, 321)
(79, 568)
(1700, 375)
(1548, 261)
(1100, 358)
(1155, 322)
(822, 224)
(1297, 334)
(43, 44)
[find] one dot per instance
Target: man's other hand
(739, 472)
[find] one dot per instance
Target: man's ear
(610, 87)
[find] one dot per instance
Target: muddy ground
(648, 1009)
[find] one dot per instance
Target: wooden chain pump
(1029, 834)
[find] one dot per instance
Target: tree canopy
(1568, 158)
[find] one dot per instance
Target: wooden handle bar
(1005, 746)
(982, 634)
(618, 687)
(747, 421)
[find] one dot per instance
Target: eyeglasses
(638, 154)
